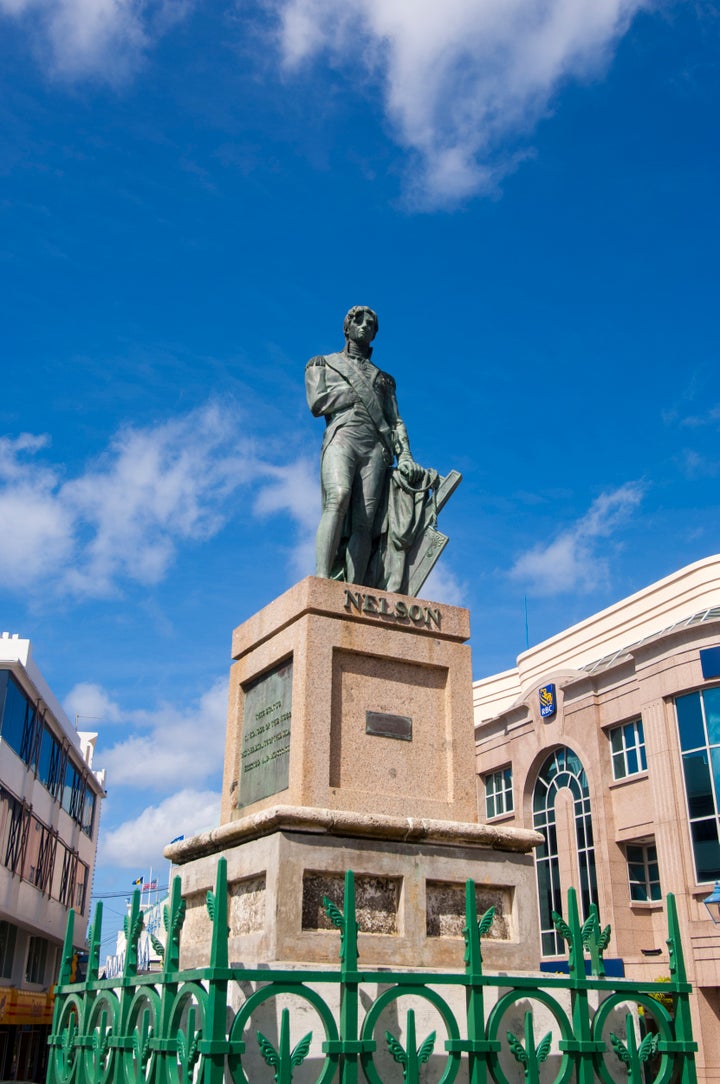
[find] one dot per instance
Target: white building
(49, 815)
(153, 932)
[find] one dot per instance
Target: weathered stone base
(409, 882)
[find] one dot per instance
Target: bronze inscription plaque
(388, 726)
(265, 757)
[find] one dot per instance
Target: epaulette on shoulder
(387, 380)
(319, 360)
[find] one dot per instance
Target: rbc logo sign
(548, 701)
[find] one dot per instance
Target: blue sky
(193, 194)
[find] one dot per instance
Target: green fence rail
(177, 1027)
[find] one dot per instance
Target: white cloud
(124, 515)
(174, 753)
(37, 530)
(295, 489)
(90, 702)
(695, 421)
(169, 747)
(154, 486)
(571, 562)
(138, 843)
(41, 530)
(99, 37)
(695, 465)
(442, 585)
(458, 77)
(11, 450)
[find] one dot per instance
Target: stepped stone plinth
(350, 746)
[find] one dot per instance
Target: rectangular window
(15, 834)
(56, 883)
(32, 733)
(67, 878)
(14, 715)
(698, 719)
(498, 793)
(78, 799)
(73, 791)
(27, 846)
(4, 678)
(81, 880)
(21, 724)
(46, 744)
(46, 860)
(643, 872)
(32, 850)
(88, 813)
(36, 960)
(627, 746)
(69, 787)
(56, 770)
(7, 948)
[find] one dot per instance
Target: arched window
(698, 716)
(561, 811)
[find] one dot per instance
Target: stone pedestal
(340, 699)
(350, 746)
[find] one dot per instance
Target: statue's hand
(410, 470)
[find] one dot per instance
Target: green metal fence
(174, 1027)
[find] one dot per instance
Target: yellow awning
(25, 1006)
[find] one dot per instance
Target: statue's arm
(401, 442)
(326, 391)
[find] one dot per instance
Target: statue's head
(361, 324)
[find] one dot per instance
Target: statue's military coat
(335, 384)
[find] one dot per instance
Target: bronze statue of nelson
(378, 505)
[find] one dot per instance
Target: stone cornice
(338, 822)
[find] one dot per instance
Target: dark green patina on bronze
(265, 753)
(178, 1025)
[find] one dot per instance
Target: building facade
(606, 738)
(152, 935)
(49, 816)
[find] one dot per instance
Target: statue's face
(362, 327)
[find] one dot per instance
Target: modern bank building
(606, 739)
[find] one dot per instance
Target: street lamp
(712, 902)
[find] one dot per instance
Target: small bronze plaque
(388, 726)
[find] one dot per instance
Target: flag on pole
(178, 839)
(139, 880)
